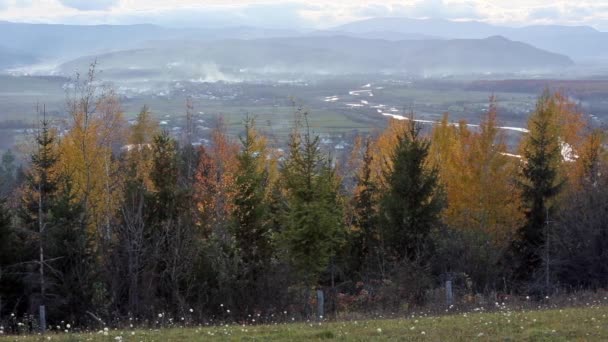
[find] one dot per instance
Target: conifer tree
(365, 237)
(170, 229)
(35, 212)
(314, 228)
(10, 284)
(413, 202)
(540, 183)
(250, 208)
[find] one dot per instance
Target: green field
(573, 324)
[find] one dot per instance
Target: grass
(573, 324)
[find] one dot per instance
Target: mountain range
(419, 46)
(582, 43)
(323, 55)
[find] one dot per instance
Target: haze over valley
(351, 75)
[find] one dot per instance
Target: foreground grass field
(574, 324)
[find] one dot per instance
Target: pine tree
(541, 183)
(413, 202)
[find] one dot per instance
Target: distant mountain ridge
(45, 42)
(418, 45)
(324, 55)
(578, 42)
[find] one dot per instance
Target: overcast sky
(302, 13)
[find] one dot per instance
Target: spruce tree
(35, 212)
(314, 228)
(413, 202)
(364, 240)
(250, 223)
(540, 184)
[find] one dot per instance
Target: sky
(302, 14)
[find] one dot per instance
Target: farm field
(569, 324)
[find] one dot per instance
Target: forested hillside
(114, 221)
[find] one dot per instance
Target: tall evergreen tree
(57, 243)
(250, 211)
(35, 212)
(314, 228)
(540, 184)
(10, 283)
(365, 237)
(413, 202)
(170, 228)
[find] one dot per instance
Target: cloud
(6, 4)
(300, 13)
(545, 13)
(422, 9)
(90, 5)
(286, 15)
(446, 10)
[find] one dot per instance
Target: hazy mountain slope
(52, 42)
(436, 27)
(322, 55)
(11, 59)
(386, 35)
(579, 42)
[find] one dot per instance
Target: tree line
(111, 223)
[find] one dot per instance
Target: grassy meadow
(588, 323)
